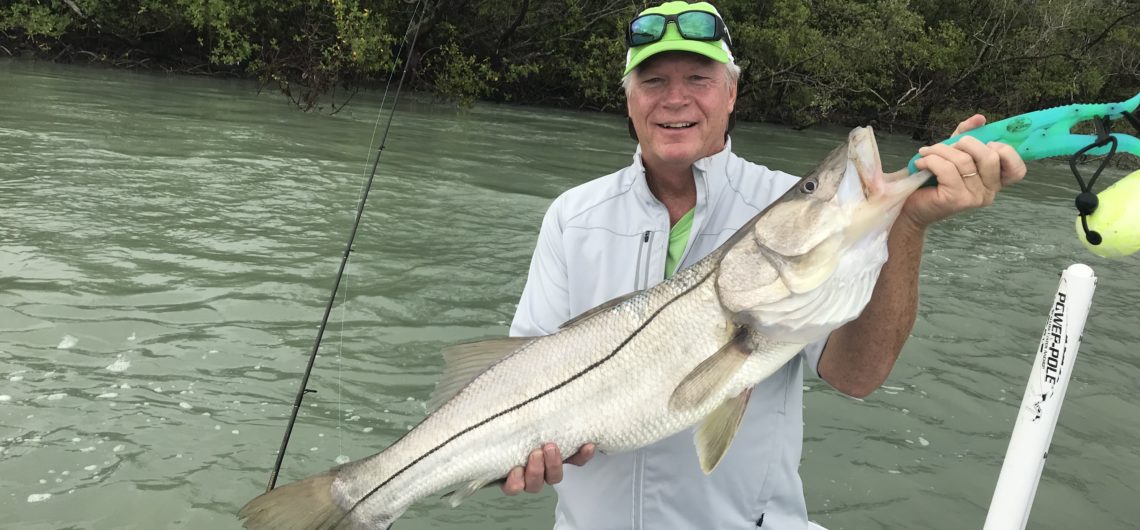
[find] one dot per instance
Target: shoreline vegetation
(904, 66)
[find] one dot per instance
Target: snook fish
(637, 369)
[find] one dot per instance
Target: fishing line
(340, 359)
(413, 22)
(360, 193)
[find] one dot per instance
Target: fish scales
(684, 352)
(569, 394)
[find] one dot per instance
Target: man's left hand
(969, 174)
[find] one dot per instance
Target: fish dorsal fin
(716, 431)
(713, 372)
(598, 309)
(464, 362)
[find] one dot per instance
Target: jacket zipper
(637, 271)
(641, 279)
(638, 485)
(649, 259)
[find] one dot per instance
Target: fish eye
(809, 185)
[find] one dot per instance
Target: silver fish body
(637, 370)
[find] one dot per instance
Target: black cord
(412, 22)
(1132, 118)
(1086, 201)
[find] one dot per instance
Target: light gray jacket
(609, 237)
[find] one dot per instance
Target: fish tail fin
(303, 505)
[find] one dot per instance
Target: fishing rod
(1106, 224)
(417, 13)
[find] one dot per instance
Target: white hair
(731, 73)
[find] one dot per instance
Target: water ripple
(166, 244)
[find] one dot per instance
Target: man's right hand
(543, 465)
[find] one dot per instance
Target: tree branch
(505, 38)
(1107, 29)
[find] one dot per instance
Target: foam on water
(120, 365)
(67, 342)
(213, 259)
(39, 497)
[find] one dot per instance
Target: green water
(166, 245)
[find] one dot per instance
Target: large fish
(638, 369)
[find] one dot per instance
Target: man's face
(679, 103)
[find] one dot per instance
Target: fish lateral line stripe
(538, 396)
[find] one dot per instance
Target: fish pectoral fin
(713, 372)
(716, 431)
(458, 496)
(464, 362)
(598, 309)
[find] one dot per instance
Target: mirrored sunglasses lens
(646, 29)
(697, 25)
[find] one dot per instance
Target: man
(683, 195)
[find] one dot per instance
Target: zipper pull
(645, 239)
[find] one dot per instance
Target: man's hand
(969, 174)
(543, 465)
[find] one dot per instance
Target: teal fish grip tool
(1108, 223)
(1046, 133)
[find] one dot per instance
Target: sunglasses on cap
(692, 25)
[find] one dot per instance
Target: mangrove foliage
(914, 64)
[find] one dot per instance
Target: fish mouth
(890, 188)
(883, 193)
(863, 152)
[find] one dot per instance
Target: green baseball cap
(672, 39)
